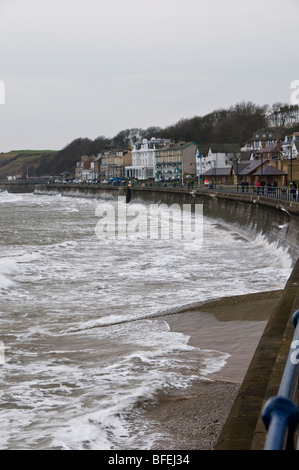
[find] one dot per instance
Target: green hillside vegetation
(235, 124)
(19, 162)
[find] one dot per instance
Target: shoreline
(192, 419)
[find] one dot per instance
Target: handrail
(279, 192)
(281, 413)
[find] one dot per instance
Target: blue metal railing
(281, 413)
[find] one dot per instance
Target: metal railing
(282, 193)
(281, 413)
(285, 193)
(275, 192)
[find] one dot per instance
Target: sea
(85, 343)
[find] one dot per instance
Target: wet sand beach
(192, 419)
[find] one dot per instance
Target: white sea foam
(6, 197)
(110, 392)
(8, 272)
(85, 341)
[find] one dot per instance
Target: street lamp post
(215, 166)
(263, 145)
(291, 164)
(199, 168)
(236, 161)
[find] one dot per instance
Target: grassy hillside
(49, 162)
(19, 162)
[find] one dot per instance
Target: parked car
(116, 180)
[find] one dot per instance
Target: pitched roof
(251, 167)
(270, 170)
(269, 148)
(267, 130)
(240, 166)
(175, 146)
(203, 149)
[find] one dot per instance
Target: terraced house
(113, 163)
(175, 160)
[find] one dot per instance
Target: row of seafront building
(270, 155)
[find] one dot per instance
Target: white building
(218, 156)
(143, 158)
(285, 116)
(290, 146)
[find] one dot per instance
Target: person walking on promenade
(258, 186)
(269, 187)
(275, 184)
(294, 190)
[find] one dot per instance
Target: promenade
(203, 410)
(244, 429)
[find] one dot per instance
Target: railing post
(281, 414)
(280, 417)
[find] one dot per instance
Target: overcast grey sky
(84, 68)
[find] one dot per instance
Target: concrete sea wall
(244, 428)
(17, 187)
(277, 220)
